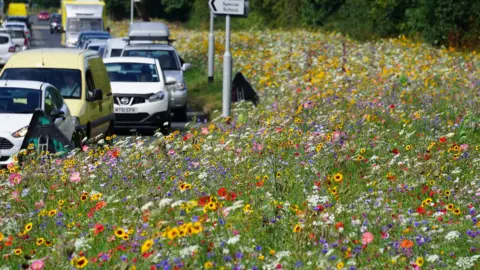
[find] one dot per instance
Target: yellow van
(17, 10)
(81, 78)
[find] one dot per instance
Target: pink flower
(367, 238)
(75, 177)
(464, 147)
(171, 152)
(84, 148)
(204, 130)
(15, 178)
(40, 204)
(37, 265)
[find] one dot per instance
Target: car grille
(5, 144)
(136, 100)
(130, 117)
(3, 158)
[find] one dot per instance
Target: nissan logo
(124, 100)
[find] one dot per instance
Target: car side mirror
(97, 95)
(57, 115)
(186, 66)
(171, 81)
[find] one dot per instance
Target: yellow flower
(17, 251)
(340, 265)
(208, 265)
(51, 213)
(40, 241)
(272, 252)
(119, 232)
(173, 233)
(61, 202)
(419, 261)
(28, 227)
(80, 262)
(261, 257)
(319, 147)
(1, 237)
(408, 147)
(338, 177)
(147, 245)
(197, 228)
(456, 211)
(297, 228)
(363, 150)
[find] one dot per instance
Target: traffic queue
(101, 84)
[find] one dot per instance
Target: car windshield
(132, 72)
(17, 20)
(165, 57)
(93, 48)
(19, 100)
(79, 25)
(67, 80)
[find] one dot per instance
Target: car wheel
(181, 114)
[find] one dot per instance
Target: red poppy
(392, 106)
(421, 210)
(395, 151)
(442, 139)
(232, 196)
(222, 192)
(98, 228)
(339, 225)
(100, 205)
(259, 184)
(204, 200)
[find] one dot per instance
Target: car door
(101, 81)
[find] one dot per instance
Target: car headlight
(72, 41)
(157, 96)
(179, 86)
(20, 133)
(54, 24)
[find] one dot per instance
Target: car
(114, 47)
(95, 44)
(21, 19)
(18, 101)
(55, 23)
(86, 35)
(44, 15)
(82, 79)
(7, 48)
(140, 93)
(160, 48)
(18, 37)
(21, 25)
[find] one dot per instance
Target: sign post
(228, 8)
(211, 50)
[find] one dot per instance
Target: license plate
(126, 110)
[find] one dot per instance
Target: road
(43, 39)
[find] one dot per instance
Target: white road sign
(227, 7)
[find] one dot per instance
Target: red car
(43, 15)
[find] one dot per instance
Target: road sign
(227, 7)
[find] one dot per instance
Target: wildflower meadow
(359, 156)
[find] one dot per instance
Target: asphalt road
(43, 39)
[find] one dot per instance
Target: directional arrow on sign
(212, 5)
(227, 7)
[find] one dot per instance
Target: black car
(55, 23)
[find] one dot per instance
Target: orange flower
(406, 243)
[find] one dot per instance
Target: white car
(14, 24)
(18, 38)
(140, 92)
(7, 48)
(18, 101)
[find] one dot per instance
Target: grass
(202, 95)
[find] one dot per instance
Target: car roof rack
(149, 31)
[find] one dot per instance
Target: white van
(114, 47)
